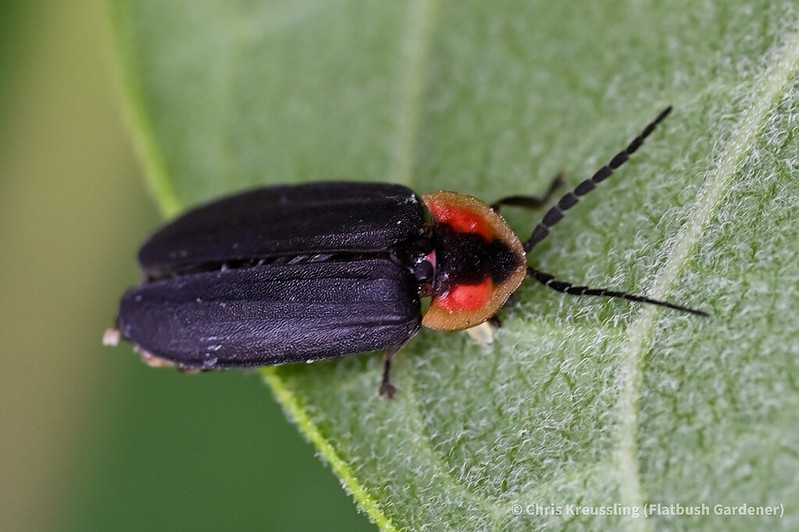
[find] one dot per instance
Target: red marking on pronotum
(461, 219)
(467, 297)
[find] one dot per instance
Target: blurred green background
(91, 438)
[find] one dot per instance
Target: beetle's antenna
(547, 279)
(569, 200)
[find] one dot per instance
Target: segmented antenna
(547, 279)
(569, 200)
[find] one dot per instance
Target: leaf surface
(583, 402)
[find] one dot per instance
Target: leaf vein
(415, 51)
(781, 67)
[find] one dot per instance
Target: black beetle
(299, 273)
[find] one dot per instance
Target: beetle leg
(386, 388)
(531, 202)
(547, 279)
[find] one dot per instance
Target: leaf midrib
(415, 48)
(782, 66)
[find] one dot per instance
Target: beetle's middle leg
(386, 388)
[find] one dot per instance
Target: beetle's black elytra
(298, 273)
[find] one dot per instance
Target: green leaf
(578, 401)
